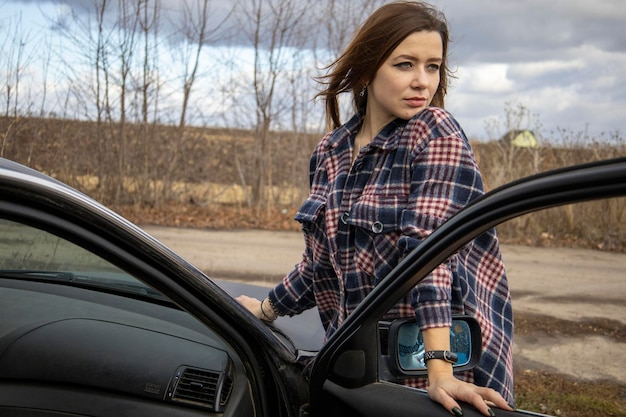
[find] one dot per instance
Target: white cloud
(543, 68)
(484, 78)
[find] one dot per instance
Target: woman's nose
(420, 79)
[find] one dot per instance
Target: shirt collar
(387, 139)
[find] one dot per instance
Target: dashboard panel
(65, 349)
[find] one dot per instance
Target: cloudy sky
(563, 60)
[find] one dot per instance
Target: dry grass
(560, 395)
(221, 217)
(162, 169)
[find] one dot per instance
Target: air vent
(201, 387)
(226, 388)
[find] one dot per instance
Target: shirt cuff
(292, 296)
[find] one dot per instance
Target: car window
(30, 253)
(27, 248)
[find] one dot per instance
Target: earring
(363, 91)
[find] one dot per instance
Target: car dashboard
(68, 351)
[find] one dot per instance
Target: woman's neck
(373, 123)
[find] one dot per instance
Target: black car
(97, 318)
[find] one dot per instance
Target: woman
(380, 184)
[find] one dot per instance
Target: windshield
(30, 253)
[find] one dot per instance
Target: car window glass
(25, 248)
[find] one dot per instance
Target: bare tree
(128, 23)
(15, 58)
(274, 28)
(105, 47)
(148, 89)
(337, 22)
(45, 68)
(197, 34)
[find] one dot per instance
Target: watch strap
(445, 355)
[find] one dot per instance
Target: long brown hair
(381, 33)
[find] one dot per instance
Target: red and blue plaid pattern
(362, 218)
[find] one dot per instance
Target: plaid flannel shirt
(362, 218)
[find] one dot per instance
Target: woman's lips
(415, 101)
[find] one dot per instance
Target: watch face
(450, 356)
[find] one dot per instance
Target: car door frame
(27, 196)
(344, 379)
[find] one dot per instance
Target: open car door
(348, 375)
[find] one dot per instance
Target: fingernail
(457, 412)
(491, 413)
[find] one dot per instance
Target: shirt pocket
(376, 214)
(377, 222)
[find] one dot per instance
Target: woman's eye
(404, 65)
(433, 67)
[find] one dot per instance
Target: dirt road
(564, 284)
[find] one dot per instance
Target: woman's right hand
(445, 389)
(257, 308)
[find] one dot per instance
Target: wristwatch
(445, 355)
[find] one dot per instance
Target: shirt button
(344, 217)
(377, 227)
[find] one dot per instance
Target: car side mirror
(406, 346)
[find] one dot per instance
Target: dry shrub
(219, 217)
(159, 171)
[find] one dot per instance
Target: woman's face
(406, 82)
